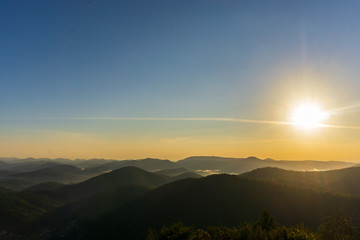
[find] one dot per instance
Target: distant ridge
(49, 172)
(200, 164)
(242, 165)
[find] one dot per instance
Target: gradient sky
(66, 66)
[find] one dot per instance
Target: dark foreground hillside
(217, 199)
(125, 203)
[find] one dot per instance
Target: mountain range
(111, 199)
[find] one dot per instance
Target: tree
(266, 221)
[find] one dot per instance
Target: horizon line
(354, 161)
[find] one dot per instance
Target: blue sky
(240, 59)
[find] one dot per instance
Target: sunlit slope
(344, 181)
(19, 210)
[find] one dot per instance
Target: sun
(309, 116)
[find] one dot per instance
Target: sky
(135, 79)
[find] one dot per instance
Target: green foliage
(263, 229)
(200, 234)
(176, 231)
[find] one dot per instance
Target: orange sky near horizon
(291, 144)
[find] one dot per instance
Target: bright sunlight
(308, 116)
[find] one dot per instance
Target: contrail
(240, 120)
(338, 126)
(352, 108)
(151, 119)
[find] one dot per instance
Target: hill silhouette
(148, 164)
(109, 181)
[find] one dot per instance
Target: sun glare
(308, 116)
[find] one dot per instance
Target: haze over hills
(215, 163)
(19, 174)
(60, 173)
